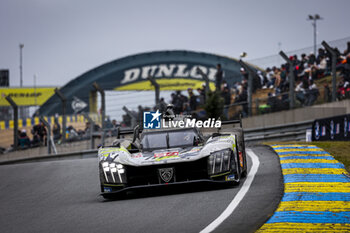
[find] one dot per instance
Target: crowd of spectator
(39, 134)
(307, 70)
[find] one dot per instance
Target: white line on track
(238, 198)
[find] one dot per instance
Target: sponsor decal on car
(166, 155)
(136, 156)
(195, 149)
(111, 153)
(240, 158)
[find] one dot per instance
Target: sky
(64, 38)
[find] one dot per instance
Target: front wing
(123, 189)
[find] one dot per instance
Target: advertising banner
(26, 96)
(331, 129)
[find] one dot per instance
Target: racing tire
(244, 174)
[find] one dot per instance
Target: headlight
(114, 172)
(219, 162)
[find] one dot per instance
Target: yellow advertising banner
(26, 96)
(165, 84)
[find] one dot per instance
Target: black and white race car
(172, 156)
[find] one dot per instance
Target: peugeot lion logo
(166, 174)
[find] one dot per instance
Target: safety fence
(30, 122)
(32, 134)
(267, 101)
(286, 132)
(276, 60)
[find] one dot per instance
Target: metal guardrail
(63, 156)
(286, 132)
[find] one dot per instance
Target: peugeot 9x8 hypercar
(171, 156)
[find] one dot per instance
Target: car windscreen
(169, 139)
(154, 141)
(181, 138)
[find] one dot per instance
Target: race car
(172, 156)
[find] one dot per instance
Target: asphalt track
(62, 196)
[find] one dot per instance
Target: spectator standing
(193, 99)
(178, 101)
(283, 80)
(278, 81)
(201, 96)
(312, 93)
(186, 109)
(256, 82)
(300, 93)
(227, 100)
(322, 66)
(162, 105)
(218, 77)
(242, 98)
(182, 99)
(312, 59)
(39, 131)
(270, 78)
(56, 131)
(321, 53)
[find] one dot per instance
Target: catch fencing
(277, 60)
